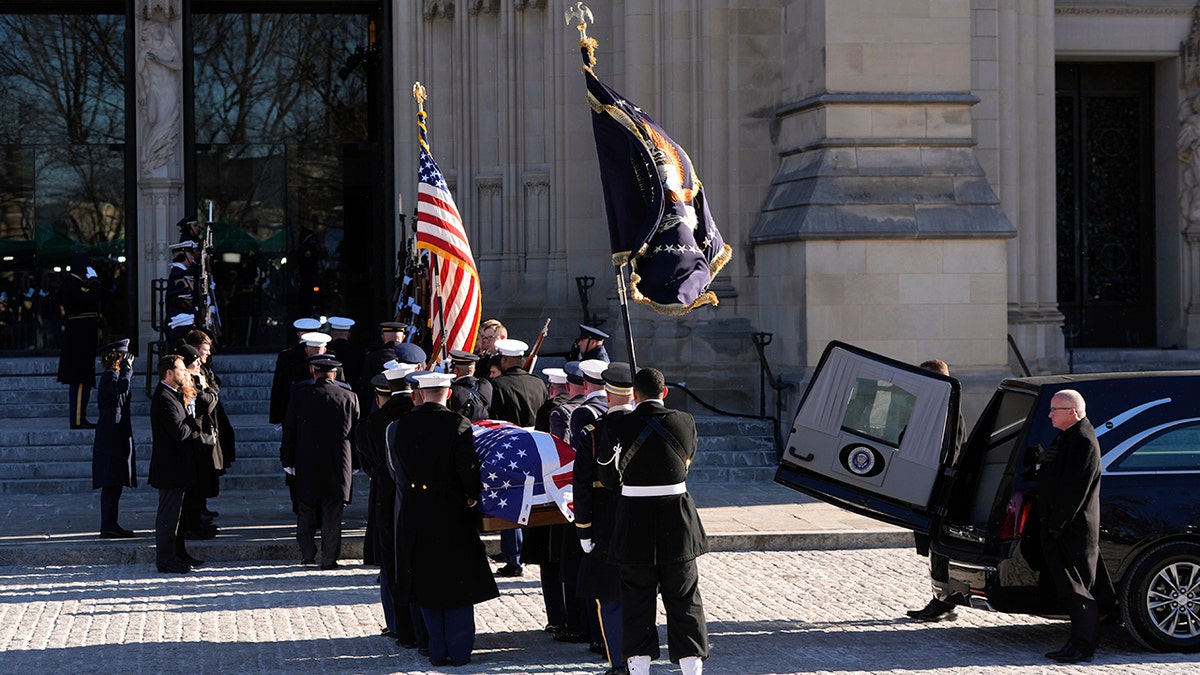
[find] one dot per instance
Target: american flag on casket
(521, 469)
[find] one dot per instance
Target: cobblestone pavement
(768, 612)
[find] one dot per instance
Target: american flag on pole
(456, 304)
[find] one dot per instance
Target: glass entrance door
(288, 157)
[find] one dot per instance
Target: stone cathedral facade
(926, 178)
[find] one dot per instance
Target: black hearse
(876, 436)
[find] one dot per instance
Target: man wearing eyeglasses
(1068, 494)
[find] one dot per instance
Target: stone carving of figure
(159, 70)
(1189, 155)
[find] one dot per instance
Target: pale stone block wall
(910, 300)
(899, 45)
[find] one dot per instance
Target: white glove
(278, 427)
(289, 470)
(587, 545)
(91, 273)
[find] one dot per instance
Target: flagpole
(624, 300)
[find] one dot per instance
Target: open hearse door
(871, 436)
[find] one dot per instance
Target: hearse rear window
(880, 410)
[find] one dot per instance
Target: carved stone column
(158, 79)
(1188, 147)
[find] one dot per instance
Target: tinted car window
(1176, 449)
(879, 410)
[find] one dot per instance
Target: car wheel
(1160, 602)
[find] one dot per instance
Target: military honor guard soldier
(542, 545)
(657, 534)
(289, 368)
(589, 345)
(596, 488)
(470, 395)
(440, 558)
(79, 306)
(393, 399)
(317, 446)
(516, 397)
(114, 462)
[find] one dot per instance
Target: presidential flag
(455, 301)
(521, 468)
(659, 221)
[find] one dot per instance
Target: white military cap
(315, 339)
(556, 375)
(306, 324)
(340, 323)
(508, 347)
(181, 320)
(593, 370)
(428, 380)
(394, 370)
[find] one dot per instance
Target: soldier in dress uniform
(288, 365)
(393, 398)
(516, 397)
(585, 412)
(556, 379)
(657, 535)
(542, 545)
(114, 464)
(560, 416)
(589, 344)
(440, 558)
(596, 488)
(467, 387)
(79, 308)
(318, 441)
(351, 353)
(391, 334)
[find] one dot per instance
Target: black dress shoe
(191, 560)
(84, 425)
(598, 648)
(438, 663)
(554, 627)
(330, 566)
(498, 558)
(510, 570)
(936, 610)
(116, 534)
(200, 534)
(1072, 654)
(572, 637)
(1060, 651)
(210, 514)
(456, 664)
(308, 561)
(175, 567)
(126, 533)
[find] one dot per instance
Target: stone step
(1129, 360)
(244, 466)
(230, 481)
(223, 363)
(82, 452)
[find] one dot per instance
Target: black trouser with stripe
(679, 583)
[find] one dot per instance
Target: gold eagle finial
(580, 15)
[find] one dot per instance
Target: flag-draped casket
(526, 476)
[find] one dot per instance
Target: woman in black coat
(113, 459)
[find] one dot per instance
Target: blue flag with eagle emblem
(658, 218)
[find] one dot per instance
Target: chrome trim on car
(967, 532)
(972, 567)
